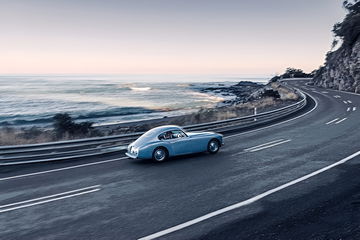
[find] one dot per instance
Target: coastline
(237, 93)
(106, 99)
(247, 97)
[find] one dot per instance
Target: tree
(349, 29)
(64, 124)
(292, 73)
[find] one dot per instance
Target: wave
(28, 120)
(116, 112)
(140, 89)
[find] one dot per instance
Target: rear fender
(149, 149)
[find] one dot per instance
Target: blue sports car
(163, 142)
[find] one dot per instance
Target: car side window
(177, 134)
(165, 136)
(172, 135)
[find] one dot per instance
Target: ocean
(107, 99)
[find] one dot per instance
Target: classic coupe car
(163, 142)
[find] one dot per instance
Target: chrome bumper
(130, 155)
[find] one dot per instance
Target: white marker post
(255, 112)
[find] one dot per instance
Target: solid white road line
(354, 109)
(51, 198)
(61, 169)
(324, 92)
(340, 120)
(248, 201)
(332, 121)
(269, 146)
(276, 124)
(264, 144)
(348, 109)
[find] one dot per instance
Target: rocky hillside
(341, 70)
(342, 67)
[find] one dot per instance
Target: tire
(213, 146)
(160, 154)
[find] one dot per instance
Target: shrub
(64, 125)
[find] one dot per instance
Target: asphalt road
(263, 184)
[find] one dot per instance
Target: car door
(181, 143)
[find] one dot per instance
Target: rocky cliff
(342, 69)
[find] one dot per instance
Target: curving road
(297, 179)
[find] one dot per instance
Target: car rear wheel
(213, 146)
(160, 154)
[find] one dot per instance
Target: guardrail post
(255, 112)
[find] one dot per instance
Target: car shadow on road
(178, 159)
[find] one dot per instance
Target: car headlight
(134, 150)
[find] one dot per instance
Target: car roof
(164, 128)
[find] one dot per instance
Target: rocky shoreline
(243, 92)
(244, 98)
(240, 92)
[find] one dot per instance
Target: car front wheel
(213, 146)
(160, 154)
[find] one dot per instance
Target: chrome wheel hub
(214, 146)
(160, 155)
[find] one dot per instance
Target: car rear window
(147, 134)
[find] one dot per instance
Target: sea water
(107, 99)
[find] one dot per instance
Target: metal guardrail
(73, 149)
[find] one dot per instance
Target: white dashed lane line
(334, 120)
(268, 146)
(263, 146)
(340, 120)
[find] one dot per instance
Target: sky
(165, 36)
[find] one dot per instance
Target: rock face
(266, 91)
(341, 70)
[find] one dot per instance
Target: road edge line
(248, 201)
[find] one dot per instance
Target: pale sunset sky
(165, 36)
